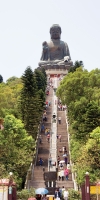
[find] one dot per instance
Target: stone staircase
(43, 150)
(37, 179)
(62, 129)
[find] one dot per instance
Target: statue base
(55, 69)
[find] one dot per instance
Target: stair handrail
(30, 172)
(72, 164)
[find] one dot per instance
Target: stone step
(39, 168)
(37, 184)
(44, 152)
(62, 129)
(64, 133)
(43, 149)
(38, 177)
(62, 141)
(67, 184)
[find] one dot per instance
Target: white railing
(30, 172)
(73, 173)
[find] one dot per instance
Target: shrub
(25, 194)
(74, 195)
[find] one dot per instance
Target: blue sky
(25, 24)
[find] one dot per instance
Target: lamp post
(87, 186)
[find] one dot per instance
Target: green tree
(15, 148)
(9, 95)
(86, 119)
(72, 86)
(45, 75)
(30, 106)
(11, 79)
(77, 64)
(1, 79)
(25, 194)
(89, 158)
(93, 148)
(41, 85)
(40, 80)
(76, 92)
(92, 117)
(80, 91)
(74, 195)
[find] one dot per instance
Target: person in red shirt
(66, 173)
(48, 138)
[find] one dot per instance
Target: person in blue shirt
(41, 162)
(57, 194)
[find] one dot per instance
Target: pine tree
(77, 64)
(41, 80)
(1, 79)
(29, 103)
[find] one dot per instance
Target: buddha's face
(55, 33)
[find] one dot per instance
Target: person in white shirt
(59, 120)
(63, 189)
(69, 167)
(62, 174)
(65, 194)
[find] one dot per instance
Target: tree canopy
(76, 65)
(1, 78)
(80, 91)
(21, 106)
(31, 102)
(15, 147)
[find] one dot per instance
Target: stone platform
(56, 69)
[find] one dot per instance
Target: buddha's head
(55, 31)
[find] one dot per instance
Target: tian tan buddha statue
(55, 52)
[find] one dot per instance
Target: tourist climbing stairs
(37, 179)
(43, 149)
(62, 130)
